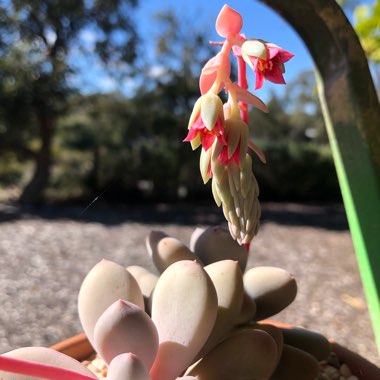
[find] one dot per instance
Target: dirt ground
(45, 254)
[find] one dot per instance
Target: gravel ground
(40, 276)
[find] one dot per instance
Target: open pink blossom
(267, 61)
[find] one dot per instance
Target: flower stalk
(221, 130)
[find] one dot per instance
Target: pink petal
(275, 75)
(212, 65)
(223, 156)
(198, 123)
(280, 54)
(229, 22)
(284, 55)
(206, 81)
(236, 50)
(259, 79)
(209, 73)
(273, 50)
(247, 97)
(207, 140)
(191, 135)
(255, 63)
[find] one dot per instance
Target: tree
(139, 139)
(295, 116)
(367, 25)
(37, 38)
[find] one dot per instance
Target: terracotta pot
(80, 348)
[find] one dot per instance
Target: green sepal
(214, 189)
(204, 165)
(195, 112)
(233, 133)
(196, 142)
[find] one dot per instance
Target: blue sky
(259, 21)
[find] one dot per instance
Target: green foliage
(36, 39)
(296, 116)
(132, 147)
(11, 170)
(367, 25)
(297, 171)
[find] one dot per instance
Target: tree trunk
(33, 192)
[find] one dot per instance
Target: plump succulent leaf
(271, 288)
(215, 244)
(125, 327)
(146, 280)
(166, 250)
(250, 354)
(228, 281)
(247, 311)
(106, 283)
(309, 341)
(127, 366)
(184, 310)
(296, 364)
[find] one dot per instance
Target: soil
(46, 252)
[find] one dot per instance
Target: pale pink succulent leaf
(182, 333)
(127, 366)
(229, 22)
(125, 327)
(227, 278)
(42, 362)
(106, 283)
(247, 97)
(166, 250)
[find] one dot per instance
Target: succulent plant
(199, 318)
(195, 327)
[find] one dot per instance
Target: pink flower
(206, 122)
(207, 137)
(266, 60)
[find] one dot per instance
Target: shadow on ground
(329, 216)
